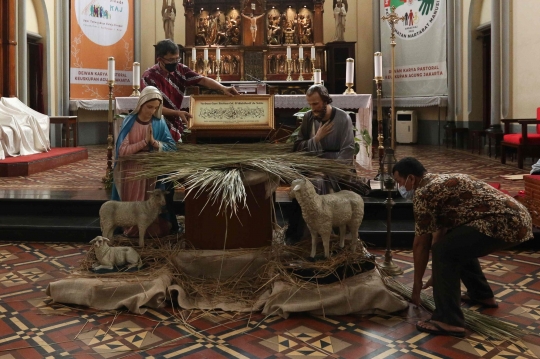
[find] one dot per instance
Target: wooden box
(250, 228)
(532, 197)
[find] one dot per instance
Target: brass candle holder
(388, 184)
(349, 90)
(393, 19)
(289, 78)
(300, 77)
(136, 92)
(108, 178)
(380, 127)
(205, 71)
(218, 78)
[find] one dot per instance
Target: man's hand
(229, 91)
(184, 116)
(323, 131)
(428, 284)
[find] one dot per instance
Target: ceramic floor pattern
(87, 174)
(31, 326)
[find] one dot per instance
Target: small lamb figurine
(344, 209)
(110, 257)
(114, 214)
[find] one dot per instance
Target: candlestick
(288, 53)
(136, 79)
(378, 65)
(301, 52)
(218, 61)
(218, 54)
(205, 55)
(108, 178)
(111, 68)
(289, 78)
(193, 54)
(349, 71)
(313, 53)
(317, 77)
(300, 77)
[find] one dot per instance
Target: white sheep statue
(114, 214)
(110, 257)
(344, 209)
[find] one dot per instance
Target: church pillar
(505, 24)
(137, 31)
(376, 14)
(65, 55)
(22, 53)
(318, 21)
(458, 60)
(495, 67)
(450, 18)
(8, 74)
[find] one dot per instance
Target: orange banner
(101, 29)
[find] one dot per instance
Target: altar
(359, 103)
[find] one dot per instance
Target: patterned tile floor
(31, 326)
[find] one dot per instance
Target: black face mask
(170, 67)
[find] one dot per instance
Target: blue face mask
(403, 191)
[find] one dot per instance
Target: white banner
(420, 51)
(99, 76)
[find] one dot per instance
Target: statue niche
(275, 32)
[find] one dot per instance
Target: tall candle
(206, 54)
(218, 53)
(136, 74)
(349, 71)
(288, 52)
(317, 77)
(193, 54)
(312, 53)
(301, 53)
(378, 65)
(111, 69)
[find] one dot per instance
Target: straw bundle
(220, 169)
(485, 325)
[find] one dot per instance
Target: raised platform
(31, 164)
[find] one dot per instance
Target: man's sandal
(439, 330)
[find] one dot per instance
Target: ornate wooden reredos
(228, 24)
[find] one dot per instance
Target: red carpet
(28, 165)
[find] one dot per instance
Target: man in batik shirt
(460, 219)
(171, 78)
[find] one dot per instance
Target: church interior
(448, 82)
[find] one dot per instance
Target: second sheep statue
(344, 209)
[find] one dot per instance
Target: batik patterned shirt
(172, 86)
(453, 200)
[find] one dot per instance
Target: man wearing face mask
(171, 78)
(460, 219)
(327, 132)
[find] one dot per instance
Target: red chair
(526, 144)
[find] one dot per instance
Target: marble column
(505, 73)
(450, 18)
(22, 53)
(495, 67)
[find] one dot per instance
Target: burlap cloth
(362, 293)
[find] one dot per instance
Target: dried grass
(219, 169)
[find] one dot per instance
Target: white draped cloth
(23, 131)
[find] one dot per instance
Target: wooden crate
(532, 197)
(206, 227)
